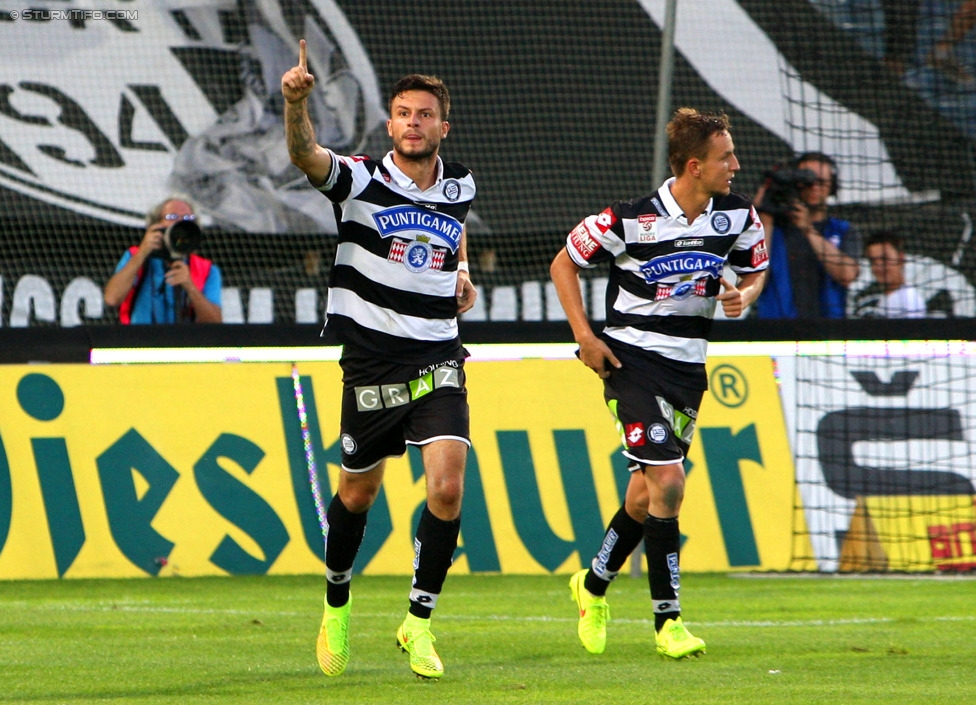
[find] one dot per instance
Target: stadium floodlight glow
(126, 356)
(313, 353)
(521, 351)
(843, 348)
(481, 352)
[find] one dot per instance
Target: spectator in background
(943, 56)
(813, 257)
(901, 28)
(900, 34)
(888, 296)
(161, 280)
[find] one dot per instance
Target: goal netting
(554, 108)
(884, 462)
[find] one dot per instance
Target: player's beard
(424, 153)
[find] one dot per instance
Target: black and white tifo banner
(106, 111)
(893, 432)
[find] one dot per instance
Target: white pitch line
(752, 624)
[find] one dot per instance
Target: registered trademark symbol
(729, 386)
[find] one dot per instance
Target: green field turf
(503, 639)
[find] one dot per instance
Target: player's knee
(636, 506)
(446, 491)
(444, 496)
(358, 498)
(673, 494)
(637, 514)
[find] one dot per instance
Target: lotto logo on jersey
(584, 243)
(605, 220)
(634, 433)
(647, 228)
(759, 253)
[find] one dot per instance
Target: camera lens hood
(181, 238)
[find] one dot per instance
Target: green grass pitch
(503, 639)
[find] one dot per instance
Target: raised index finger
(301, 54)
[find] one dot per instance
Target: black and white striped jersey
(393, 284)
(664, 272)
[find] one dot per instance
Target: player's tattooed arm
(296, 85)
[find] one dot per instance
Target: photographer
(813, 257)
(161, 280)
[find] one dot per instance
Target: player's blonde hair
(689, 133)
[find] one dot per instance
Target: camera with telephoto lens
(783, 185)
(180, 238)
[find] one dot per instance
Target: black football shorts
(655, 417)
(386, 406)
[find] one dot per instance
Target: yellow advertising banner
(202, 469)
(922, 532)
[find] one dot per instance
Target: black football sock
(622, 537)
(344, 537)
(662, 542)
(434, 552)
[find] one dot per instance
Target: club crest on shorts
(657, 433)
(348, 444)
